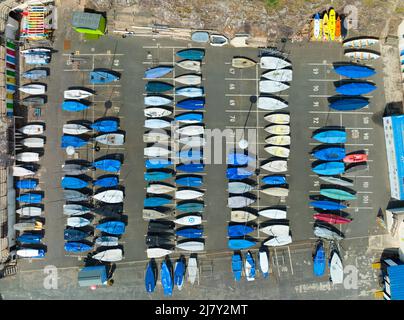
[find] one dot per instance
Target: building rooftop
(86, 20)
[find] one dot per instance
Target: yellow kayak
(325, 26)
(331, 24)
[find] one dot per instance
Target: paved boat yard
(228, 93)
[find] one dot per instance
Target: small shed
(92, 24)
(94, 275)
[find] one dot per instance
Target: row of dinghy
(30, 148)
(175, 101)
(245, 200)
(94, 205)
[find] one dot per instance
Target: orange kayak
(354, 158)
(331, 218)
(338, 28)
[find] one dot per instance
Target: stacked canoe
(174, 137)
(361, 48)
(94, 202)
(327, 26)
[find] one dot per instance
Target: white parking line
(88, 70)
(328, 96)
(262, 111)
(319, 64)
(95, 54)
(249, 95)
(325, 80)
(315, 128)
(339, 112)
(239, 79)
(347, 144)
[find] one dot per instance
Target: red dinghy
(354, 158)
(331, 218)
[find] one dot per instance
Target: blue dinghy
(354, 71)
(327, 205)
(329, 168)
(191, 167)
(319, 260)
(238, 173)
(330, 154)
(73, 141)
(240, 244)
(74, 106)
(179, 273)
(110, 165)
(77, 247)
(73, 183)
(157, 72)
(191, 92)
(30, 238)
(112, 227)
(239, 159)
(102, 77)
(192, 233)
(27, 184)
(191, 54)
(105, 125)
(166, 279)
(349, 104)
(74, 235)
(157, 163)
(30, 198)
(150, 277)
(158, 87)
(35, 74)
(189, 181)
(237, 266)
(105, 182)
(157, 175)
(190, 154)
(239, 230)
(331, 136)
(356, 88)
(156, 201)
(274, 180)
(190, 117)
(189, 207)
(191, 104)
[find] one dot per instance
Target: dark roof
(86, 20)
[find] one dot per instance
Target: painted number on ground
(316, 120)
(232, 119)
(355, 134)
(315, 88)
(365, 120)
(316, 104)
(366, 135)
(365, 199)
(232, 103)
(232, 86)
(315, 71)
(232, 71)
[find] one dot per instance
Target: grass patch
(272, 4)
(400, 10)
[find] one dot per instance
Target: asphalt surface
(228, 93)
